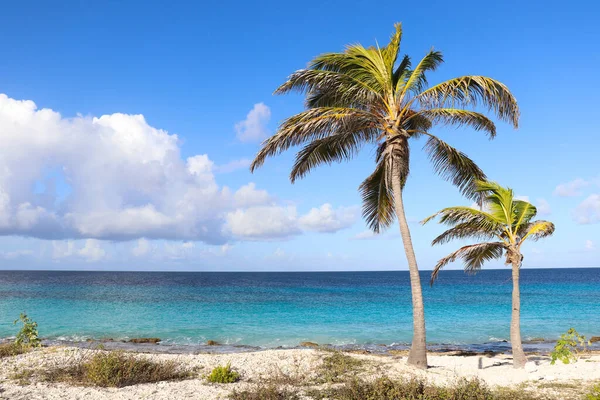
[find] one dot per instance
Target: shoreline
(156, 346)
(300, 370)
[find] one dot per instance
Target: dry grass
(11, 349)
(337, 365)
(414, 389)
(114, 369)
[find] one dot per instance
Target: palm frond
(473, 256)
(329, 89)
(474, 229)
(458, 117)
(390, 52)
(537, 230)
(470, 91)
(417, 80)
(313, 124)
(454, 165)
(335, 148)
(458, 215)
(359, 63)
(499, 200)
(377, 199)
(401, 73)
(523, 213)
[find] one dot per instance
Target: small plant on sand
(568, 347)
(594, 394)
(223, 374)
(28, 335)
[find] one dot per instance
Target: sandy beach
(299, 369)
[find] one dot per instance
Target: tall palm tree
(364, 96)
(508, 222)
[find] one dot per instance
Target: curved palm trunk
(418, 349)
(519, 358)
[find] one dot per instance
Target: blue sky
(86, 183)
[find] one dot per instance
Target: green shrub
(115, 369)
(11, 349)
(28, 335)
(223, 374)
(568, 347)
(594, 394)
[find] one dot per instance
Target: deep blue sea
(283, 309)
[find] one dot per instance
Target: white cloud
(589, 245)
(281, 222)
(118, 178)
(263, 222)
(543, 207)
(327, 219)
(92, 251)
(588, 211)
(248, 196)
(254, 127)
(232, 166)
(178, 251)
(141, 248)
(571, 189)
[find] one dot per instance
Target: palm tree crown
(506, 220)
(364, 96)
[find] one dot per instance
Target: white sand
(299, 363)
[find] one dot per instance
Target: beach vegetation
(507, 222)
(10, 349)
(223, 374)
(337, 366)
(594, 393)
(23, 376)
(375, 96)
(115, 369)
(262, 391)
(568, 347)
(385, 388)
(28, 336)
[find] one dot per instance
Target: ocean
(271, 309)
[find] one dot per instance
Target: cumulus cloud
(589, 245)
(588, 211)
(328, 219)
(281, 222)
(263, 222)
(571, 189)
(254, 127)
(248, 196)
(115, 177)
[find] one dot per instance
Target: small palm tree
(364, 96)
(509, 223)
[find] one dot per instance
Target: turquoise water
(283, 309)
